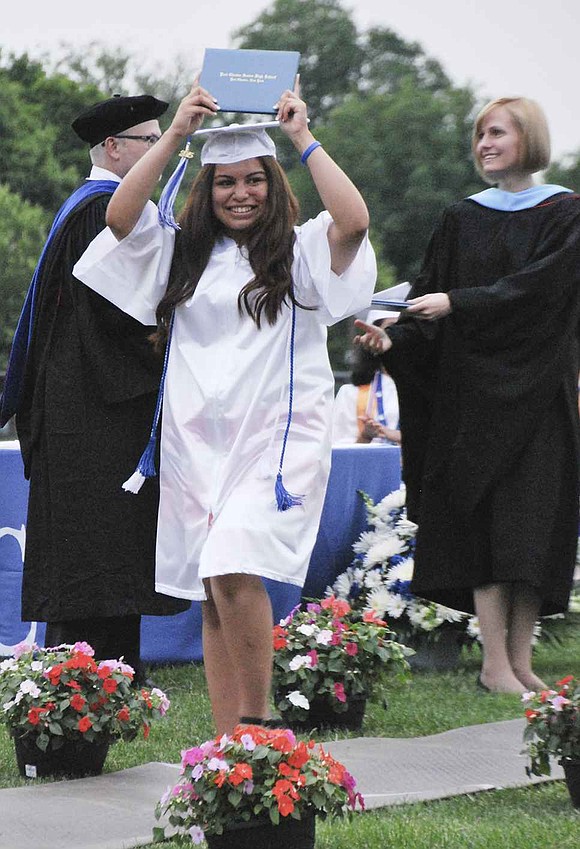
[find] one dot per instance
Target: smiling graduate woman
(486, 364)
(245, 296)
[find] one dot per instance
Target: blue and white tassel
(284, 499)
(146, 465)
(169, 193)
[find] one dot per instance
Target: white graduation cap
(228, 145)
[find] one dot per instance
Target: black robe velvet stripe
(488, 399)
(87, 406)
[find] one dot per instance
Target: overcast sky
(501, 47)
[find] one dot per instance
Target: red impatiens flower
(54, 674)
(123, 715)
(34, 716)
(104, 671)
(292, 774)
(280, 641)
(240, 772)
(78, 702)
(285, 806)
(371, 616)
(300, 755)
(109, 685)
(84, 724)
(338, 606)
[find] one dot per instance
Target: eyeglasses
(151, 140)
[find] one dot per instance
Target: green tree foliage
(40, 156)
(324, 33)
(23, 229)
(566, 173)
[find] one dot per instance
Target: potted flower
(257, 788)
(63, 708)
(379, 581)
(327, 658)
(553, 731)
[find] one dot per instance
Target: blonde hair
(530, 121)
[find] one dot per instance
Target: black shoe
(269, 722)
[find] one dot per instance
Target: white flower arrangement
(381, 573)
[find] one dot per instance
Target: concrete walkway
(115, 811)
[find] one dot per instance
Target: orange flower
(286, 770)
(371, 616)
(299, 756)
(241, 772)
(220, 778)
(281, 742)
(338, 606)
(285, 806)
(280, 634)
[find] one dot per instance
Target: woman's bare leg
(525, 609)
(493, 608)
(220, 673)
(238, 642)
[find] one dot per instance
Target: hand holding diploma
(430, 307)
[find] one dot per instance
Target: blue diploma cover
(248, 80)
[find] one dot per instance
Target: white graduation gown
(226, 402)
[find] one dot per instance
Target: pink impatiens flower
(339, 693)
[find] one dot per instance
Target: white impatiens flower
(300, 660)
(307, 630)
(36, 666)
(30, 687)
(298, 699)
(7, 705)
(383, 549)
(324, 637)
(8, 665)
(402, 571)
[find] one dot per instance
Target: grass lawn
(540, 816)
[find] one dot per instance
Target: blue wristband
(308, 151)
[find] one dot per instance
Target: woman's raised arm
(338, 193)
(128, 202)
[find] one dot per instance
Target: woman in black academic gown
(486, 364)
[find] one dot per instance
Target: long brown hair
(269, 244)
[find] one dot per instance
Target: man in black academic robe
(84, 413)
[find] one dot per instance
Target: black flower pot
(323, 715)
(439, 653)
(74, 759)
(572, 774)
(258, 834)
